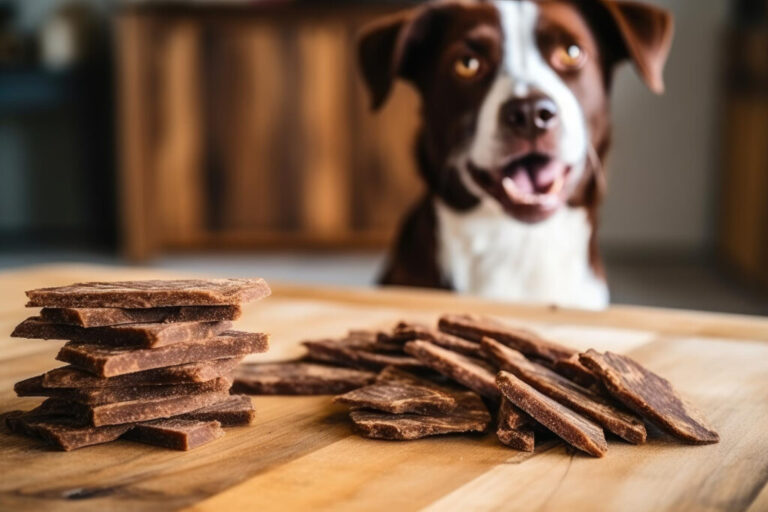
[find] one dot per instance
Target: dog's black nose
(530, 116)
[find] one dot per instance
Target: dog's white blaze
(523, 71)
(486, 251)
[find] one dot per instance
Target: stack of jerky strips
(417, 381)
(149, 361)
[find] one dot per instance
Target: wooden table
(301, 453)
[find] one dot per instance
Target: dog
(515, 127)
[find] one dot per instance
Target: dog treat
(470, 415)
(396, 398)
(473, 373)
(134, 411)
(129, 335)
(151, 294)
(111, 361)
(572, 368)
(60, 431)
(97, 396)
(424, 378)
(203, 371)
(355, 354)
(235, 410)
(515, 428)
(650, 396)
(176, 434)
(103, 317)
(475, 328)
(376, 341)
(298, 378)
(620, 422)
(411, 332)
(568, 425)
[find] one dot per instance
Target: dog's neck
(485, 252)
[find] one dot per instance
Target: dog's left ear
(647, 35)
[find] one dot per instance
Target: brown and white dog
(515, 108)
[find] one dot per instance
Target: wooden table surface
(302, 454)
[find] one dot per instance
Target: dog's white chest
(486, 252)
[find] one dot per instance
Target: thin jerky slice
(60, 431)
(151, 294)
(202, 371)
(410, 332)
(515, 428)
(475, 328)
(235, 410)
(475, 374)
(568, 425)
(355, 354)
(622, 423)
(425, 378)
(397, 398)
(111, 361)
(103, 317)
(176, 434)
(572, 368)
(650, 396)
(129, 335)
(377, 341)
(298, 378)
(97, 396)
(136, 410)
(470, 415)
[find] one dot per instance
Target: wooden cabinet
(249, 127)
(744, 208)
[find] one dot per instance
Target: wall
(665, 161)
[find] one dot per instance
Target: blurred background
(234, 138)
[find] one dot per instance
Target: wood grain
(302, 453)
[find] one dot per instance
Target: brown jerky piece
(111, 361)
(60, 431)
(355, 354)
(475, 328)
(410, 332)
(203, 371)
(650, 396)
(555, 386)
(176, 434)
(472, 373)
(470, 415)
(97, 396)
(515, 428)
(298, 378)
(134, 411)
(129, 335)
(572, 368)
(103, 317)
(235, 410)
(376, 341)
(568, 425)
(151, 294)
(398, 398)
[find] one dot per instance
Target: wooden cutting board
(302, 454)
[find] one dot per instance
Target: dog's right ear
(377, 58)
(387, 48)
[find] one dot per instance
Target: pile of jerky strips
(417, 381)
(149, 361)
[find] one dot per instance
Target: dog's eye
(466, 67)
(569, 57)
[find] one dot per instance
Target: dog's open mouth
(531, 187)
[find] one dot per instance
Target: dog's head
(515, 92)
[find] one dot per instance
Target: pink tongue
(522, 180)
(545, 176)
